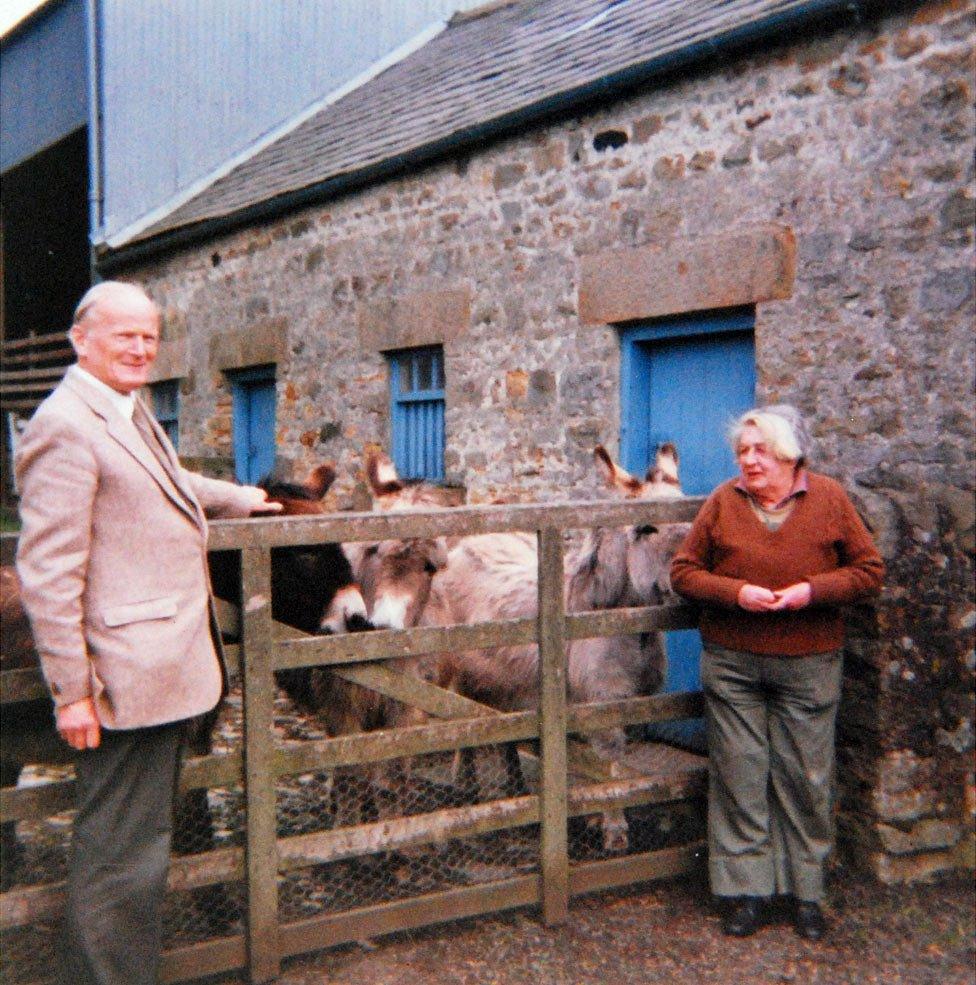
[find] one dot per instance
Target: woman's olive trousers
(771, 771)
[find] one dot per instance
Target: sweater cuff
(730, 592)
(820, 588)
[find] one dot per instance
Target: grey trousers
(771, 770)
(120, 857)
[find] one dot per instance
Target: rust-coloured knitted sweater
(822, 541)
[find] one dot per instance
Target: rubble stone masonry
(853, 149)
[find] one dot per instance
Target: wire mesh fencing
(291, 836)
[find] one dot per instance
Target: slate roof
(504, 64)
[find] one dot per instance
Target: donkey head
(312, 586)
(660, 482)
(629, 566)
(396, 577)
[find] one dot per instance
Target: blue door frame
(253, 397)
(684, 379)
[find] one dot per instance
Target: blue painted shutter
(685, 380)
(417, 408)
(166, 407)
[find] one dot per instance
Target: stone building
(533, 194)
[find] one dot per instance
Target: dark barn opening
(45, 238)
(44, 257)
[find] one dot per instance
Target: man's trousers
(120, 857)
(771, 770)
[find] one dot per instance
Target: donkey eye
(371, 550)
(645, 530)
(430, 568)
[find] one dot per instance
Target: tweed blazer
(112, 562)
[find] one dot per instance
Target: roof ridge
(482, 10)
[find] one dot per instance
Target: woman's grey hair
(782, 426)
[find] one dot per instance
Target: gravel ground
(668, 932)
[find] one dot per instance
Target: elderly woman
(770, 557)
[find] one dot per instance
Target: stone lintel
(172, 360)
(412, 320)
(259, 344)
(746, 266)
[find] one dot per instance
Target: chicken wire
(326, 800)
(406, 787)
(203, 820)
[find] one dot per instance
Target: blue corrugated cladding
(166, 407)
(417, 407)
(188, 85)
(43, 82)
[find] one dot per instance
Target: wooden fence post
(263, 952)
(552, 708)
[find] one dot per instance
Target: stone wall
(858, 147)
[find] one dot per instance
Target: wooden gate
(571, 781)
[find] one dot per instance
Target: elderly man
(113, 564)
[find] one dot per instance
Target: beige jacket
(113, 565)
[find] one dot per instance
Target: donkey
(495, 577)
(320, 589)
(313, 589)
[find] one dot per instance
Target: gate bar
(263, 953)
(552, 706)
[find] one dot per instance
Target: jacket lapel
(124, 432)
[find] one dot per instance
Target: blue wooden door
(254, 424)
(685, 380)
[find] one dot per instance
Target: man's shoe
(743, 917)
(809, 921)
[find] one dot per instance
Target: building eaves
(479, 79)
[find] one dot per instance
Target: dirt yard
(667, 933)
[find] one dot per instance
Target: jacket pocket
(122, 615)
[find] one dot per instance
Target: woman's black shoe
(809, 921)
(743, 917)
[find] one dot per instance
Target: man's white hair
(782, 427)
(102, 292)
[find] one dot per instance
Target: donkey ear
(320, 479)
(613, 475)
(662, 481)
(382, 475)
(665, 467)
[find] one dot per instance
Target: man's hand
(259, 500)
(77, 724)
(793, 596)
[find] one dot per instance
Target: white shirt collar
(124, 403)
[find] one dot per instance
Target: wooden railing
(31, 368)
(455, 723)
